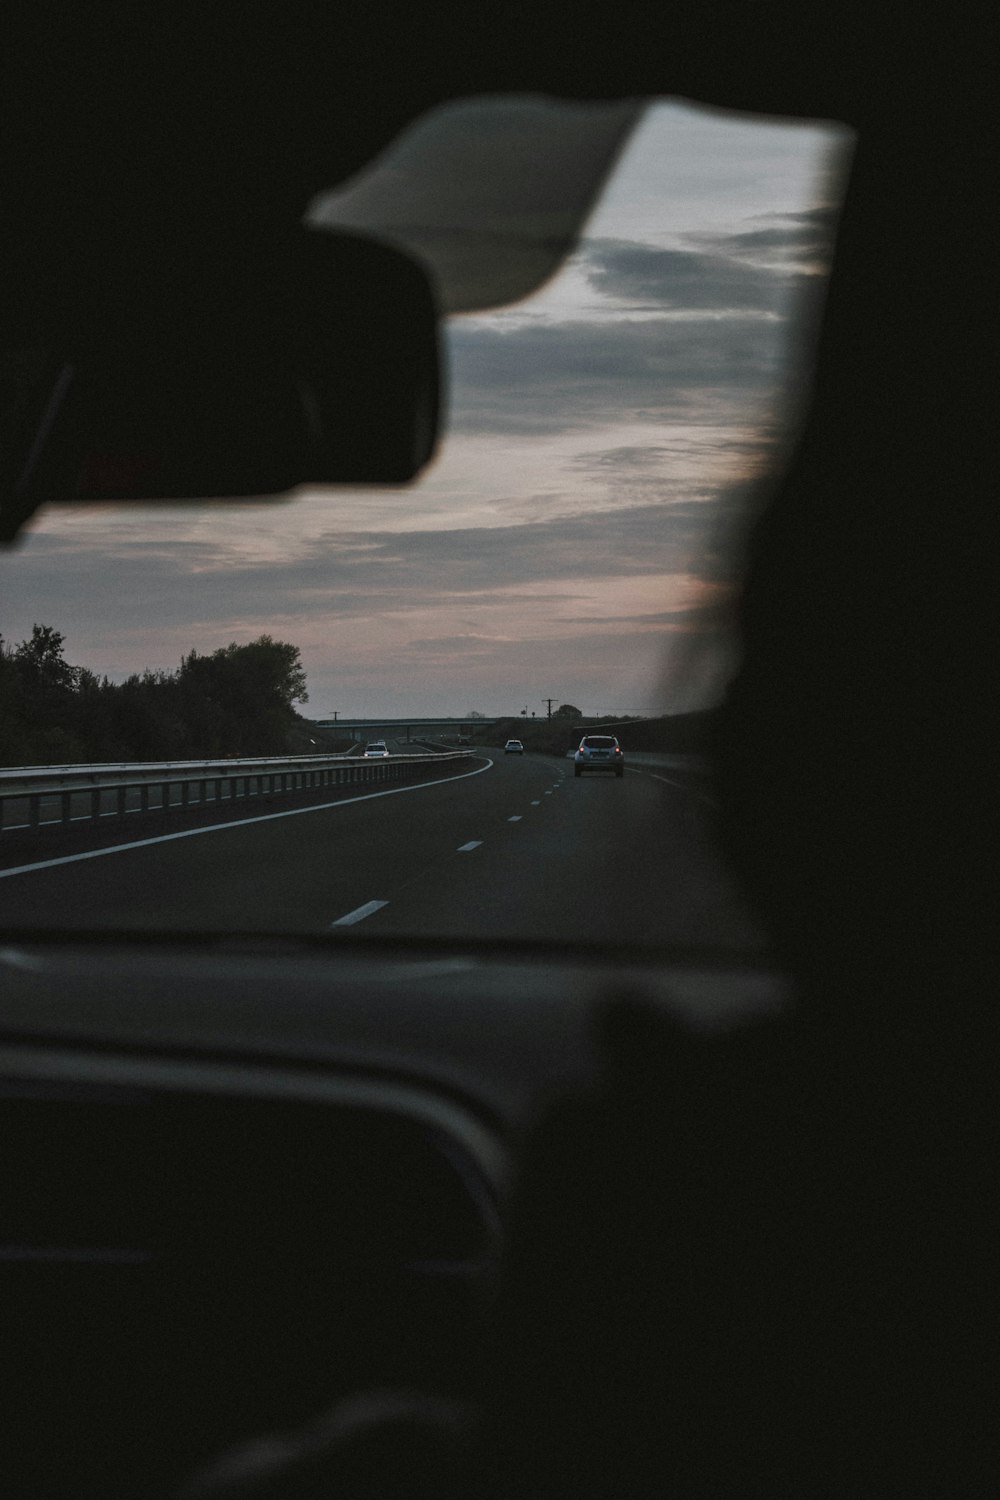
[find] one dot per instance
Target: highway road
(514, 848)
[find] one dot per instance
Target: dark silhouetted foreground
(763, 1263)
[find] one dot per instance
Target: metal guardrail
(47, 796)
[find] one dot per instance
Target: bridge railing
(36, 797)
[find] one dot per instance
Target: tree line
(236, 701)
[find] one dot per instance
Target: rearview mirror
(313, 361)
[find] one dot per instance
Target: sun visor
(490, 193)
(313, 360)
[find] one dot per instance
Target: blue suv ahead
(599, 752)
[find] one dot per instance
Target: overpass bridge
(406, 729)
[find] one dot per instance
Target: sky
(578, 536)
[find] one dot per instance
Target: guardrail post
(152, 789)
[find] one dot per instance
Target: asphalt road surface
(514, 848)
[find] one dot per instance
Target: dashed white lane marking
(515, 819)
(359, 913)
(191, 833)
(465, 848)
(536, 804)
(548, 793)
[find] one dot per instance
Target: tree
(568, 711)
(239, 700)
(39, 662)
(38, 696)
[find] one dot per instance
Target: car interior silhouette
(326, 1214)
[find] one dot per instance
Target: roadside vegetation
(236, 701)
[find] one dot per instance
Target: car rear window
(599, 742)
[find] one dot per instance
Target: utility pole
(550, 702)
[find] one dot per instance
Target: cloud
(806, 237)
(700, 334)
(714, 615)
(559, 377)
(627, 457)
(688, 465)
(169, 594)
(471, 564)
(467, 644)
(648, 276)
(759, 270)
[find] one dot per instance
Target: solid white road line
(465, 848)
(192, 833)
(359, 913)
(669, 781)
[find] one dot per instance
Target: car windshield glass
(188, 693)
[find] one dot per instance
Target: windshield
(211, 677)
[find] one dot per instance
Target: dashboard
(242, 1181)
